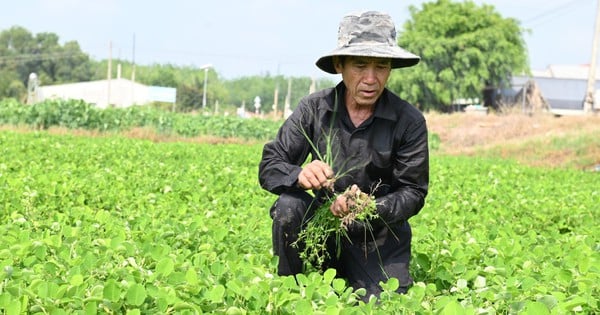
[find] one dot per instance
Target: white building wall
(102, 93)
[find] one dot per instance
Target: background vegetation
(455, 40)
(464, 49)
(75, 114)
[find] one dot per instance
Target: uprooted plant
(323, 227)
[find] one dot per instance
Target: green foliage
(463, 48)
(11, 87)
(23, 53)
(80, 115)
(116, 225)
(244, 90)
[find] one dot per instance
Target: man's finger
(322, 167)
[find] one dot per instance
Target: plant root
(324, 226)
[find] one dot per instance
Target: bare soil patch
(517, 136)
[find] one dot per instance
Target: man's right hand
(315, 175)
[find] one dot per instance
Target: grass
(577, 151)
(541, 140)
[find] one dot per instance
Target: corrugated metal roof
(562, 86)
(559, 93)
(565, 72)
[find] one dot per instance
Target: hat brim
(400, 57)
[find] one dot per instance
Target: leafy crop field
(122, 226)
(76, 114)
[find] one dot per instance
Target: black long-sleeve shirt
(388, 152)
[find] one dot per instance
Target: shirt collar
(383, 108)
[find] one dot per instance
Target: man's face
(364, 77)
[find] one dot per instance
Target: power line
(558, 10)
(37, 57)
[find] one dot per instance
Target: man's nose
(370, 74)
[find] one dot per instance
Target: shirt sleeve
(411, 171)
(282, 158)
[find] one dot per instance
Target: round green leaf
(136, 294)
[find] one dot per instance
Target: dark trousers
(364, 261)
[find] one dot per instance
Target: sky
(276, 37)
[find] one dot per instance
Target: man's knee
(289, 209)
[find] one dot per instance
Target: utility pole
(588, 104)
(109, 73)
(205, 68)
(288, 99)
(276, 93)
(133, 60)
(133, 72)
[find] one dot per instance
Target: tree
(462, 47)
(245, 89)
(22, 53)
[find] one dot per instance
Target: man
(379, 143)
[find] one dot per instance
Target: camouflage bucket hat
(368, 34)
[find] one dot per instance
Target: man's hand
(315, 175)
(339, 207)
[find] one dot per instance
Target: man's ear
(337, 64)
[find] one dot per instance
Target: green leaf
(453, 308)
(303, 307)
(549, 300)
(232, 310)
(191, 276)
(136, 294)
(391, 285)
(339, 285)
(535, 308)
(217, 268)
(76, 280)
(329, 275)
(565, 277)
(42, 289)
(58, 311)
(165, 266)
(216, 294)
(111, 291)
(302, 279)
(422, 260)
(13, 307)
(573, 302)
(91, 308)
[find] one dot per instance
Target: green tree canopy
(23, 53)
(463, 48)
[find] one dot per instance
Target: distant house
(563, 87)
(109, 93)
